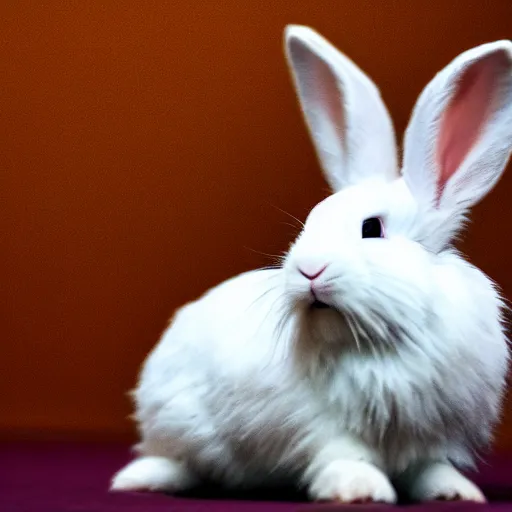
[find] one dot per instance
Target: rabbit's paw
(352, 482)
(152, 474)
(444, 482)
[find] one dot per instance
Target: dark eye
(372, 228)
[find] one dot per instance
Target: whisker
(261, 296)
(264, 320)
(371, 320)
(286, 213)
(278, 331)
(294, 226)
(270, 309)
(287, 314)
(353, 331)
(334, 278)
(278, 257)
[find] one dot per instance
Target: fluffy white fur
(401, 379)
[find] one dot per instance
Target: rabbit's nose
(312, 272)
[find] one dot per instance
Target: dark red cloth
(75, 478)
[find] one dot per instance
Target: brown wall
(143, 147)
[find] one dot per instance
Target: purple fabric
(74, 478)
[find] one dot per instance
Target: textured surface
(66, 478)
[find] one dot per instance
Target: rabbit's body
(376, 353)
(230, 394)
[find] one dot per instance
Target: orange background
(144, 148)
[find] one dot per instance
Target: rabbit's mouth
(318, 304)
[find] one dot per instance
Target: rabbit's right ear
(343, 109)
(459, 137)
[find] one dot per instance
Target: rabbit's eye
(372, 228)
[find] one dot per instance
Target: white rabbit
(376, 354)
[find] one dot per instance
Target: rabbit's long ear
(459, 137)
(343, 109)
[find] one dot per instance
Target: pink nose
(312, 272)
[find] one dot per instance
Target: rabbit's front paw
(444, 482)
(153, 474)
(350, 482)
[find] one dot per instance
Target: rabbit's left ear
(459, 137)
(346, 117)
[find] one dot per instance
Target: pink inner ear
(326, 93)
(466, 115)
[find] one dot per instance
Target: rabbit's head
(368, 250)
